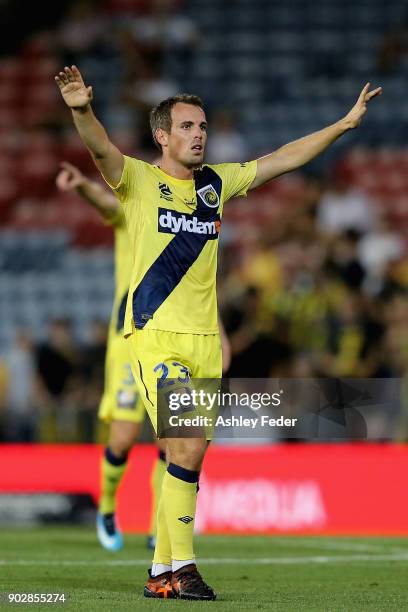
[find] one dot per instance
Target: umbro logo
(186, 519)
(165, 192)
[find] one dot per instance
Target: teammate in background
(121, 406)
(173, 214)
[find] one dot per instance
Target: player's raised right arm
(70, 177)
(78, 98)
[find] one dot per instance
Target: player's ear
(162, 137)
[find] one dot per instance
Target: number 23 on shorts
(182, 373)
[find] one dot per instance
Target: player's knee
(120, 444)
(188, 454)
(122, 437)
(119, 449)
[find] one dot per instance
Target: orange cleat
(188, 584)
(160, 586)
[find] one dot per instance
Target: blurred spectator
(164, 28)
(395, 345)
(393, 47)
(261, 267)
(313, 188)
(352, 336)
(58, 362)
(83, 31)
(144, 89)
(343, 260)
(93, 374)
(21, 401)
(343, 207)
(255, 354)
(302, 299)
(225, 143)
(379, 248)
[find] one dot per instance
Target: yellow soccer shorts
(121, 400)
(162, 357)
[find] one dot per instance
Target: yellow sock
(162, 551)
(111, 475)
(156, 480)
(179, 497)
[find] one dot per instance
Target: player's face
(188, 135)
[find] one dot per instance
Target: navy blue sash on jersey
(120, 321)
(181, 252)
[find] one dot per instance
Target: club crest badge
(209, 196)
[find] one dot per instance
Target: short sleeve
(236, 178)
(132, 174)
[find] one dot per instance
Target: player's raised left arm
(299, 152)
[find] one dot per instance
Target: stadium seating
(41, 278)
(286, 70)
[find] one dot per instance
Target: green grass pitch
(290, 573)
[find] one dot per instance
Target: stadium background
(313, 271)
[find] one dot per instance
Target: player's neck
(175, 169)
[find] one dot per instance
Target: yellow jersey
(173, 227)
(123, 269)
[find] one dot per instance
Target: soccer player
(173, 215)
(121, 406)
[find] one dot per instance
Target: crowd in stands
(320, 289)
(313, 274)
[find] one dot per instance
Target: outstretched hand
(69, 177)
(354, 117)
(73, 89)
